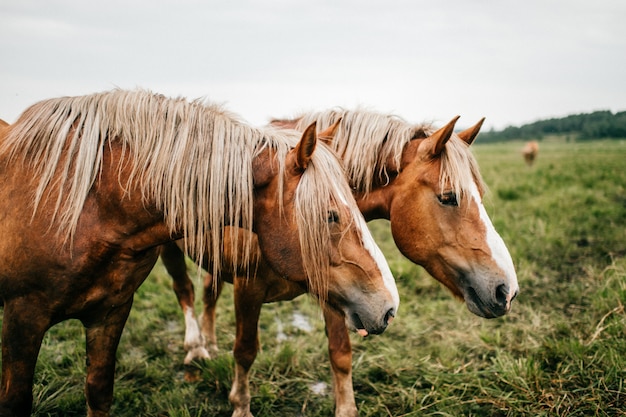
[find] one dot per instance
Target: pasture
(560, 352)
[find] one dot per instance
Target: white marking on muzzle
(379, 258)
(499, 251)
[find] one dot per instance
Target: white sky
(511, 61)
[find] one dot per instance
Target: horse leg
(212, 290)
(174, 261)
(102, 338)
(249, 294)
(340, 352)
(24, 325)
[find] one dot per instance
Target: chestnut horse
(428, 185)
(92, 186)
(530, 151)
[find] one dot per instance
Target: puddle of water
(280, 331)
(298, 321)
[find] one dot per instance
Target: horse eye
(448, 199)
(333, 217)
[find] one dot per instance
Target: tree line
(585, 126)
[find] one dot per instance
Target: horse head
(314, 234)
(438, 221)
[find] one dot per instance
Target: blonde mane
(193, 161)
(367, 141)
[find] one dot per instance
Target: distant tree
(600, 124)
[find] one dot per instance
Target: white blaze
(377, 254)
(499, 252)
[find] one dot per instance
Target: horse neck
(374, 205)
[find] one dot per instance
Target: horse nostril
(389, 316)
(501, 294)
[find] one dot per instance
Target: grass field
(560, 352)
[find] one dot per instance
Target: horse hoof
(197, 354)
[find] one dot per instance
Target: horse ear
(435, 143)
(328, 135)
(469, 135)
(306, 146)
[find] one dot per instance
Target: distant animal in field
(530, 151)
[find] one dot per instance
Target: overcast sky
(511, 61)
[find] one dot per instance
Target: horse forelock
(322, 188)
(368, 142)
(459, 169)
(64, 139)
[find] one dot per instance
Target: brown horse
(92, 186)
(530, 151)
(428, 185)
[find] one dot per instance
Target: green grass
(560, 352)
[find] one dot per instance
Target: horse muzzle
(356, 323)
(490, 304)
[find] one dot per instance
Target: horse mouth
(363, 331)
(355, 323)
(358, 325)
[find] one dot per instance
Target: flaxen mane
(367, 141)
(192, 160)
